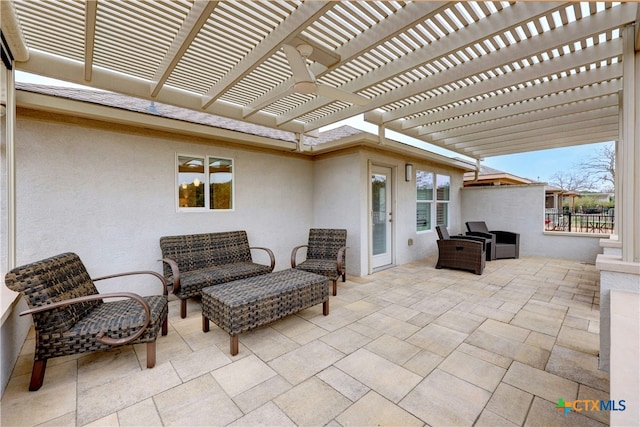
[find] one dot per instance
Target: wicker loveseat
(196, 261)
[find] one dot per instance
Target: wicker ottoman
(246, 304)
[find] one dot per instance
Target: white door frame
(389, 261)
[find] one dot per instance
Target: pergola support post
(620, 269)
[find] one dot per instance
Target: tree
(602, 166)
(573, 180)
(594, 173)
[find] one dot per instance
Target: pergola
(478, 78)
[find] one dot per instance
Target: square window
(193, 181)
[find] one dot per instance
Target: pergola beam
(494, 24)
(12, 31)
(562, 106)
(407, 17)
(73, 71)
(581, 138)
(595, 24)
(533, 125)
(605, 105)
(535, 72)
(306, 14)
(90, 13)
(468, 114)
(579, 95)
(194, 21)
(515, 53)
(564, 126)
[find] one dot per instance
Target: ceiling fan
(305, 81)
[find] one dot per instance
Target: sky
(536, 165)
(541, 165)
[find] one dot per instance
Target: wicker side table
(245, 304)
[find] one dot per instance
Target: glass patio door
(381, 217)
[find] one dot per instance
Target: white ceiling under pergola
(478, 78)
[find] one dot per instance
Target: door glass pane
(191, 182)
(379, 202)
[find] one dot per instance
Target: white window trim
(207, 201)
(432, 209)
(436, 201)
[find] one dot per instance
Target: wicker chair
(460, 252)
(71, 317)
(504, 244)
(326, 254)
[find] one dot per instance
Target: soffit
(479, 78)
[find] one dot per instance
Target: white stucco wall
(520, 208)
(424, 242)
(336, 202)
(611, 281)
(341, 200)
(109, 196)
(341, 197)
(13, 328)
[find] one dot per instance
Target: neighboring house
(557, 197)
(489, 177)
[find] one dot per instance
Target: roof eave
(88, 110)
(103, 113)
(373, 141)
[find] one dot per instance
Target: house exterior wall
(520, 208)
(348, 189)
(341, 200)
(337, 202)
(110, 195)
(107, 192)
(423, 242)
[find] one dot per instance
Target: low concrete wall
(615, 275)
(13, 332)
(520, 208)
(625, 363)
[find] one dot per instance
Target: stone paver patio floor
(407, 346)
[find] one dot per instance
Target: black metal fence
(579, 222)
